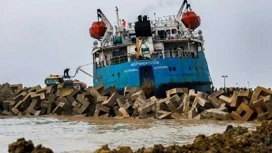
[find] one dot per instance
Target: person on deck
(124, 23)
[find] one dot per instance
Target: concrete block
(226, 100)
(217, 94)
(153, 99)
(245, 94)
(245, 100)
(99, 87)
(72, 100)
(39, 97)
(258, 92)
(259, 106)
(170, 106)
(106, 115)
(67, 103)
(161, 105)
(35, 88)
(263, 107)
(6, 93)
(66, 107)
(109, 91)
(199, 117)
(135, 113)
(4, 112)
(16, 87)
(15, 109)
(223, 108)
(128, 104)
(75, 103)
(176, 100)
(216, 102)
(37, 113)
(20, 114)
(94, 92)
(100, 110)
(186, 102)
(202, 102)
(124, 112)
(268, 102)
(137, 95)
(236, 116)
(192, 94)
(6, 105)
(32, 107)
(180, 108)
(58, 110)
(47, 91)
(140, 102)
(121, 101)
(116, 111)
(234, 100)
(148, 108)
(163, 114)
(242, 113)
(47, 107)
(101, 98)
(4, 88)
(112, 100)
(84, 103)
(216, 114)
(130, 91)
(265, 116)
(176, 116)
(20, 96)
(178, 91)
(11, 105)
(192, 113)
(52, 97)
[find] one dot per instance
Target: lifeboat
(191, 20)
(98, 29)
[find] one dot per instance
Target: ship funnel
(143, 27)
(140, 18)
(145, 18)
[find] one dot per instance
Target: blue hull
(163, 74)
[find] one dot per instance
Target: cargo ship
(156, 55)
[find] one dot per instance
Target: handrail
(178, 53)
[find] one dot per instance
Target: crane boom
(109, 31)
(179, 15)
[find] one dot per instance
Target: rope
(86, 65)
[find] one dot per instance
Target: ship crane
(109, 26)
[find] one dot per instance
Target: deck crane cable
(79, 68)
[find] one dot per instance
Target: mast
(117, 16)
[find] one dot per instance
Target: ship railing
(173, 54)
(179, 53)
(112, 61)
(176, 37)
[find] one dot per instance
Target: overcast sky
(40, 37)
